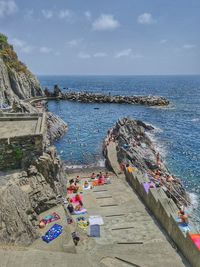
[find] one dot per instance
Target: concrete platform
(12, 125)
(128, 233)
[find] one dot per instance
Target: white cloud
(128, 53)
(48, 14)
(88, 15)
(124, 53)
(7, 8)
(189, 46)
(163, 41)
(100, 54)
(146, 18)
(22, 45)
(105, 22)
(64, 14)
(45, 50)
(74, 42)
(83, 55)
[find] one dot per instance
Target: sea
(177, 127)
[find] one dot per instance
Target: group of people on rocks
(162, 179)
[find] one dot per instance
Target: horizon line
(118, 74)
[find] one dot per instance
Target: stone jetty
(135, 147)
(86, 97)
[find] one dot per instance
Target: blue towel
(52, 233)
(94, 230)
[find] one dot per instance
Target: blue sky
(140, 37)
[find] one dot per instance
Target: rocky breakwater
(135, 147)
(86, 97)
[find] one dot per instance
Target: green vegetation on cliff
(10, 57)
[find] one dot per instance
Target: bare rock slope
(16, 81)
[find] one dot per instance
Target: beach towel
(94, 230)
(96, 219)
(148, 185)
(52, 233)
(196, 240)
(95, 183)
(82, 223)
(50, 218)
(78, 212)
(86, 188)
(183, 226)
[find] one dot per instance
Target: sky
(107, 37)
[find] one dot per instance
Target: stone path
(128, 233)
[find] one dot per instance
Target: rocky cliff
(25, 194)
(16, 81)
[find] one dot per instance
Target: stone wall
(18, 152)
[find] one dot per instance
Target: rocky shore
(134, 147)
(86, 97)
(27, 192)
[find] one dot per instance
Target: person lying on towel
(183, 217)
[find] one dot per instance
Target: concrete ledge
(165, 211)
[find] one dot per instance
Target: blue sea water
(178, 126)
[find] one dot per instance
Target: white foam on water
(158, 145)
(170, 106)
(194, 200)
(195, 119)
(99, 163)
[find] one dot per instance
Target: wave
(99, 164)
(170, 106)
(159, 145)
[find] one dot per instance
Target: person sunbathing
(77, 197)
(93, 176)
(73, 187)
(107, 178)
(79, 206)
(183, 217)
(69, 200)
(77, 179)
(169, 178)
(101, 179)
(86, 184)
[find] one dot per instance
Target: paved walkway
(129, 233)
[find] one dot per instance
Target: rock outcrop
(56, 127)
(16, 81)
(135, 147)
(24, 195)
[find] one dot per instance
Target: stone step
(36, 258)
